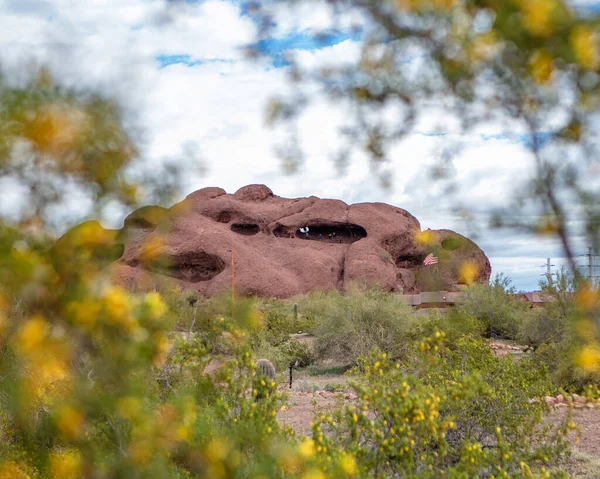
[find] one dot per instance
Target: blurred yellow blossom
(85, 312)
(216, 450)
(585, 46)
(156, 306)
(152, 250)
(66, 464)
(11, 470)
(424, 238)
(31, 335)
(586, 298)
(55, 128)
(540, 66)
(306, 449)
(537, 16)
(69, 422)
(162, 346)
(467, 272)
(588, 358)
(348, 464)
(118, 307)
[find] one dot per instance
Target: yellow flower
(585, 46)
(118, 307)
(589, 358)
(540, 66)
(155, 304)
(31, 335)
(348, 464)
(85, 312)
(66, 465)
(56, 128)
(537, 16)
(307, 448)
(69, 422)
(216, 450)
(424, 238)
(468, 272)
(162, 347)
(11, 470)
(91, 233)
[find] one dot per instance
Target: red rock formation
(370, 243)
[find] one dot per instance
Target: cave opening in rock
(345, 233)
(193, 266)
(409, 260)
(283, 232)
(247, 229)
(224, 217)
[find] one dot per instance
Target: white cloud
(112, 45)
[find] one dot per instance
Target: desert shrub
(445, 413)
(558, 330)
(541, 326)
(499, 313)
(349, 326)
(453, 323)
(315, 370)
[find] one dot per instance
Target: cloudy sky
(180, 72)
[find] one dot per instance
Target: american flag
(431, 259)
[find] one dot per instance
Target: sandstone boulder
(366, 243)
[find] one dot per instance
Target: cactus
(265, 368)
(296, 312)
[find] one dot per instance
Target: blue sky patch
(277, 48)
(166, 60)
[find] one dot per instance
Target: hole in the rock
(140, 223)
(224, 217)
(283, 232)
(192, 266)
(340, 233)
(452, 243)
(409, 261)
(245, 229)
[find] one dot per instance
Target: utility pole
(590, 267)
(548, 274)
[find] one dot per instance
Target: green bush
(499, 313)
(445, 413)
(349, 326)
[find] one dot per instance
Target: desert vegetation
(100, 380)
(167, 384)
